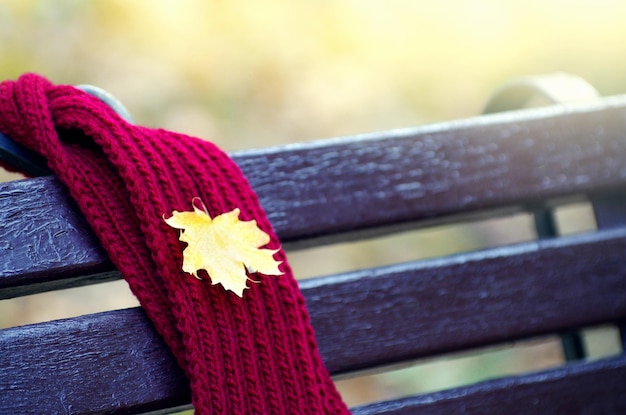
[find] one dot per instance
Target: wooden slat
(595, 388)
(45, 243)
(77, 366)
(144, 377)
(419, 309)
(386, 315)
(495, 162)
(374, 183)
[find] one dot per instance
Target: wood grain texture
(45, 243)
(402, 312)
(385, 316)
(504, 161)
(575, 389)
(143, 377)
(354, 187)
(76, 366)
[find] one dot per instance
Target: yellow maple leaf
(224, 246)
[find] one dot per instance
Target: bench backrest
(354, 188)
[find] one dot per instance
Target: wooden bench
(368, 185)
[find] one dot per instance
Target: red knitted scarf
(250, 355)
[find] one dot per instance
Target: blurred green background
(251, 74)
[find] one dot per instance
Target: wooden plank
(503, 161)
(387, 315)
(375, 183)
(594, 388)
(76, 367)
(418, 309)
(45, 243)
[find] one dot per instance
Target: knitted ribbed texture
(250, 355)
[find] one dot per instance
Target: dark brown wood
(419, 309)
(73, 366)
(45, 243)
(484, 165)
(575, 389)
(386, 315)
(143, 377)
(363, 185)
